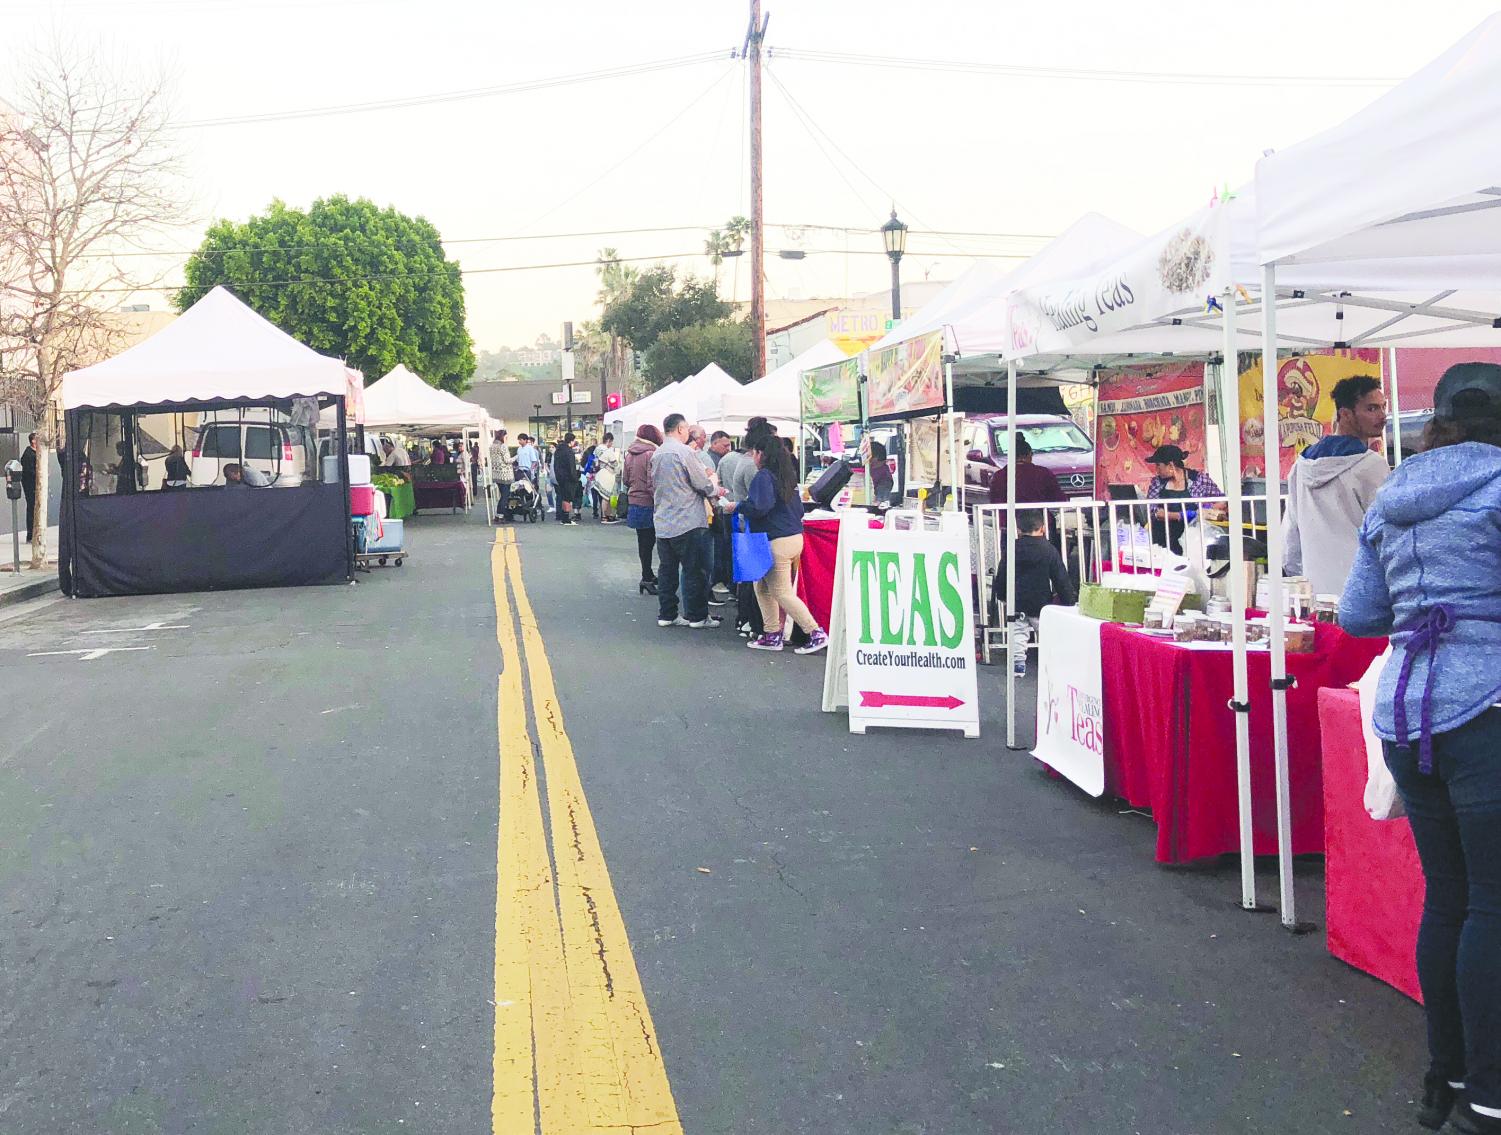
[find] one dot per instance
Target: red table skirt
(1170, 738)
(815, 578)
(1373, 884)
(439, 494)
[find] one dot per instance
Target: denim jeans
(688, 556)
(1456, 824)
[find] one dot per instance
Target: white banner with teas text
(1070, 698)
(903, 651)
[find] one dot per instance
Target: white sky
(957, 152)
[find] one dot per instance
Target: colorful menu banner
(831, 393)
(1305, 405)
(1143, 408)
(907, 378)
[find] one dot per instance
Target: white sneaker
(679, 621)
(707, 624)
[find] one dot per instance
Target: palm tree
(735, 231)
(615, 280)
(715, 248)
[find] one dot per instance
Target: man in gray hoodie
(1333, 484)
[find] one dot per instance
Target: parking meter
(13, 492)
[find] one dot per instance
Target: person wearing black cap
(1174, 481)
(1427, 573)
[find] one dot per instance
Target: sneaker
(706, 624)
(743, 630)
(1467, 1121)
(720, 591)
(675, 621)
(816, 642)
(766, 642)
(716, 601)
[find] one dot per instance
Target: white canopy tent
(1381, 232)
(1418, 207)
(403, 401)
(777, 397)
(219, 349)
(690, 397)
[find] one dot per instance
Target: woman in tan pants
(773, 506)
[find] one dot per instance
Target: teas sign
(905, 627)
(1070, 707)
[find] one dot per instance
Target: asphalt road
(248, 885)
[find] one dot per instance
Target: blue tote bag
(752, 553)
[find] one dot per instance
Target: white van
(279, 451)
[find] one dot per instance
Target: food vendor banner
(1305, 403)
(831, 393)
(1176, 270)
(1141, 409)
(906, 378)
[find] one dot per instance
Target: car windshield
(1051, 437)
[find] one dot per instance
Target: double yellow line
(575, 1049)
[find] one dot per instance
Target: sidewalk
(29, 584)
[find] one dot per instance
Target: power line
(622, 71)
(381, 276)
(1076, 74)
(854, 230)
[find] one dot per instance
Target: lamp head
(894, 237)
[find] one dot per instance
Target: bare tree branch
(87, 170)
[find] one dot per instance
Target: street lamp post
(894, 236)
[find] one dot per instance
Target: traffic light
(613, 400)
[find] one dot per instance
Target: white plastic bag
(1381, 799)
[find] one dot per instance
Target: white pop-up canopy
(402, 401)
(1409, 186)
(691, 397)
(217, 350)
(776, 397)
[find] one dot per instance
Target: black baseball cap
(1167, 454)
(1468, 390)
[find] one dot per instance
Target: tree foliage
(677, 354)
(347, 278)
(651, 303)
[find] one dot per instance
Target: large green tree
(677, 354)
(652, 303)
(347, 278)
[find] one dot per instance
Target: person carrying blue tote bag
(752, 553)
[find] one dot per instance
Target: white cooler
(359, 469)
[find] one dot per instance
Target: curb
(33, 589)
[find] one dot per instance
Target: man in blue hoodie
(1333, 484)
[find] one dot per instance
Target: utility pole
(755, 34)
(567, 360)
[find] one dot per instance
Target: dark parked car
(1057, 444)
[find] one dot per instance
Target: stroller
(524, 500)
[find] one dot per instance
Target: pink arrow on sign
(876, 700)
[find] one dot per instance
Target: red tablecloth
(1170, 738)
(1373, 883)
(815, 579)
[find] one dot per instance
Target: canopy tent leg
(955, 488)
(1241, 705)
(1009, 617)
(1391, 359)
(1276, 614)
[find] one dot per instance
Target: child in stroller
(524, 500)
